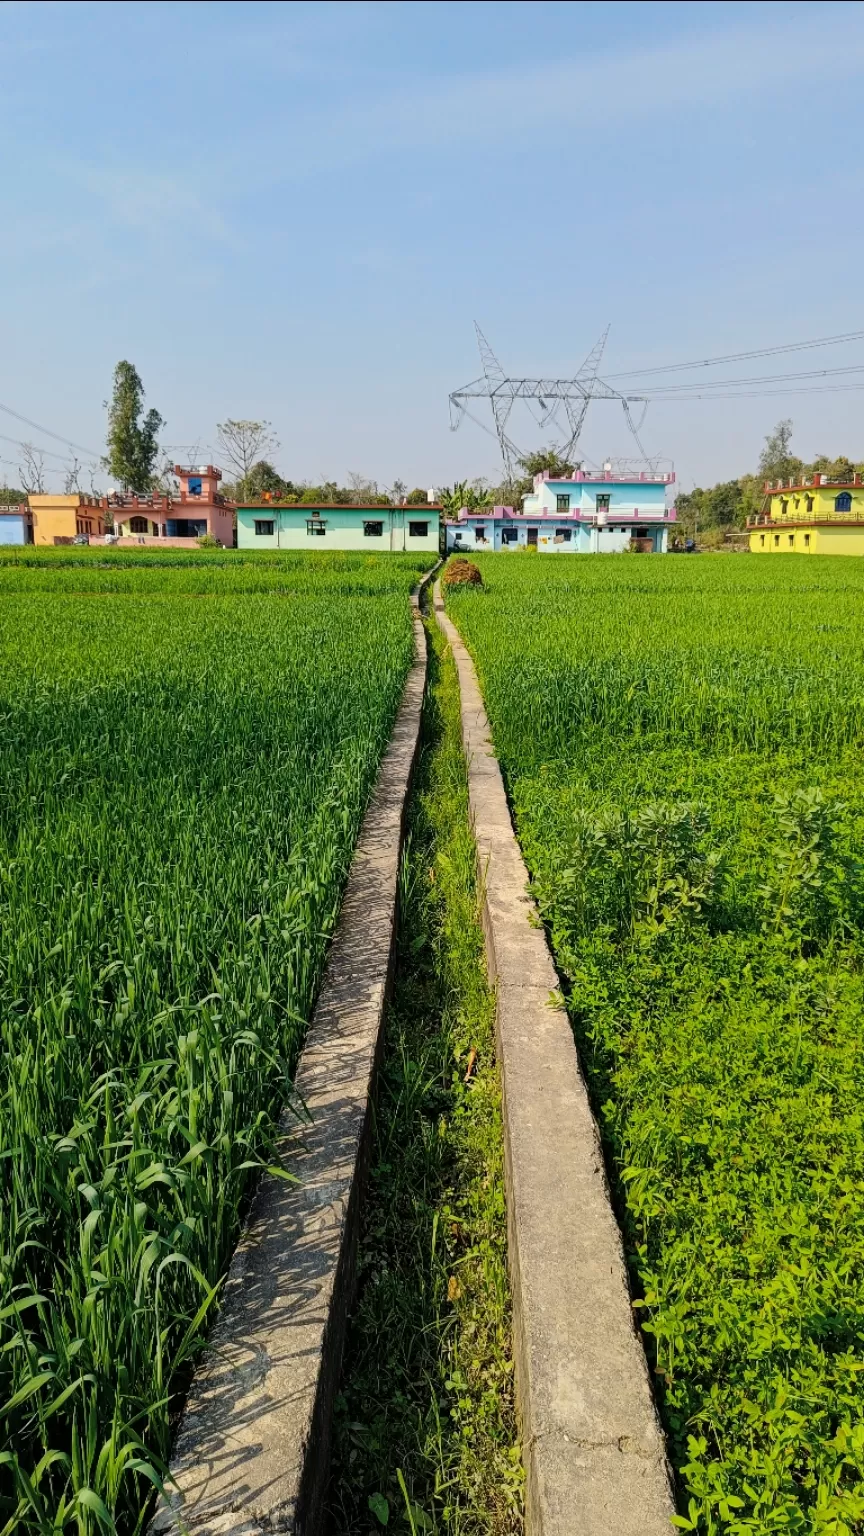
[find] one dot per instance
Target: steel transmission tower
(575, 395)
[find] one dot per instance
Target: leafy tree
(243, 443)
(472, 494)
(418, 497)
(546, 458)
(776, 461)
(836, 469)
(264, 479)
(133, 446)
(9, 497)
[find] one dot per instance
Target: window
(509, 535)
(138, 525)
(316, 525)
(641, 533)
(762, 538)
(784, 506)
(562, 503)
(602, 501)
(194, 483)
(797, 501)
(776, 541)
(264, 527)
(419, 530)
(563, 535)
(809, 503)
(480, 533)
(373, 530)
(806, 541)
(791, 540)
(843, 502)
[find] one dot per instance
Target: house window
(264, 527)
(420, 530)
(509, 535)
(806, 541)
(602, 501)
(784, 506)
(762, 538)
(843, 502)
(194, 484)
(809, 503)
(316, 525)
(776, 541)
(373, 530)
(562, 503)
(480, 533)
(791, 540)
(138, 524)
(564, 534)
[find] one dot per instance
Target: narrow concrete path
(252, 1454)
(592, 1445)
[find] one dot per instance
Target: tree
(418, 497)
(263, 479)
(133, 446)
(546, 458)
(243, 443)
(776, 462)
(472, 494)
(70, 483)
(9, 497)
(32, 470)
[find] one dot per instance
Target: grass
(425, 1435)
(181, 784)
(681, 743)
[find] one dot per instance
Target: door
(532, 537)
(397, 529)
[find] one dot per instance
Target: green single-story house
(273, 525)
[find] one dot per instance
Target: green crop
(186, 749)
(682, 747)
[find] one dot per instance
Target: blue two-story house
(592, 512)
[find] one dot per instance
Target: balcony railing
(814, 519)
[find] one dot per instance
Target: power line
(48, 452)
(740, 357)
(46, 432)
(765, 378)
(757, 394)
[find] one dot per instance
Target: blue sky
(297, 212)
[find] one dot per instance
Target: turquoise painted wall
(342, 528)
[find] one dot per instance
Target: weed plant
(425, 1435)
(682, 746)
(181, 784)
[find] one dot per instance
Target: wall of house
(58, 517)
(343, 528)
(808, 541)
(816, 501)
(584, 539)
(630, 498)
(13, 528)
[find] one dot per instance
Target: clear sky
(297, 211)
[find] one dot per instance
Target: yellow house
(60, 519)
(814, 515)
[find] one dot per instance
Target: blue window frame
(843, 502)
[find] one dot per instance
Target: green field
(681, 741)
(186, 747)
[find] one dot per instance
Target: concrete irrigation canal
(252, 1454)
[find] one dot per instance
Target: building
(199, 509)
(592, 512)
(16, 525)
(276, 525)
(810, 515)
(61, 519)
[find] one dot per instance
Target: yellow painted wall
(808, 541)
(822, 497)
(58, 517)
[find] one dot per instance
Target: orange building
(61, 519)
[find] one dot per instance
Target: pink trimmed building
(592, 512)
(199, 509)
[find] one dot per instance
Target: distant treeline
(727, 506)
